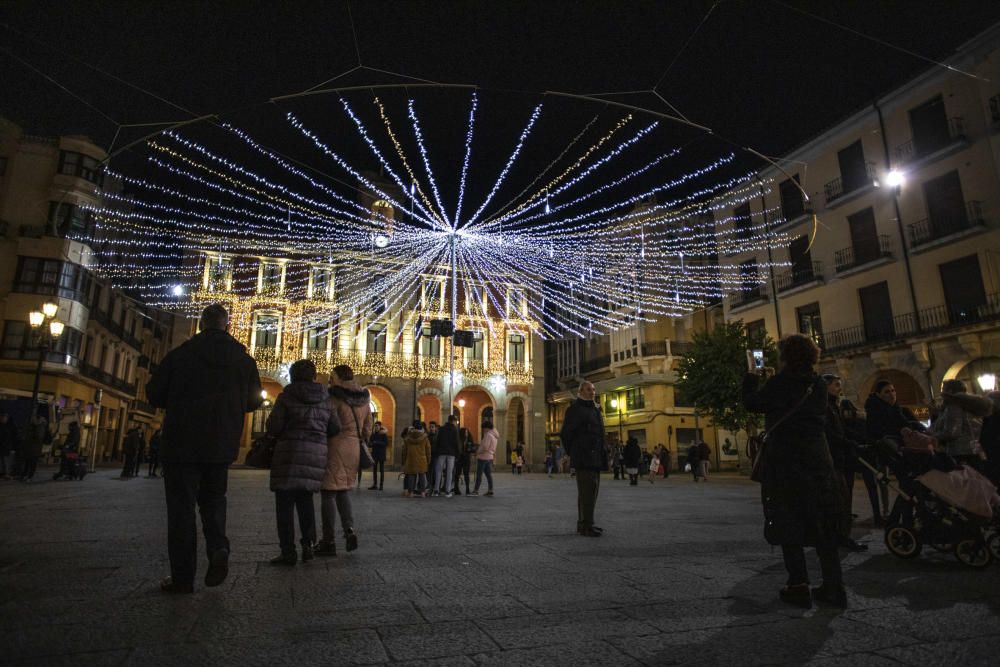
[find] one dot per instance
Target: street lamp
(461, 406)
(44, 336)
(987, 381)
(616, 404)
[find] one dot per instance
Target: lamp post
(45, 329)
(987, 381)
(617, 405)
(461, 406)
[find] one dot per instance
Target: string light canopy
(614, 229)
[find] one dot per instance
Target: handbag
(757, 445)
(261, 453)
(365, 460)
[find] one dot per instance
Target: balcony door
(864, 236)
(802, 268)
(853, 170)
(964, 294)
(945, 204)
(876, 311)
(930, 126)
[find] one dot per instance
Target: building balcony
(920, 148)
(144, 407)
(931, 229)
(595, 364)
(839, 190)
(933, 320)
(106, 379)
(664, 348)
(806, 274)
(750, 295)
(853, 257)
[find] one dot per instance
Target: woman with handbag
(351, 403)
(798, 485)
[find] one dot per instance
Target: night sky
(756, 72)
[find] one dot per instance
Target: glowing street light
(895, 178)
(178, 290)
(987, 381)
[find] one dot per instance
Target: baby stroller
(71, 466)
(948, 507)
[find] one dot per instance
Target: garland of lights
(550, 261)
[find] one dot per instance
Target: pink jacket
(488, 446)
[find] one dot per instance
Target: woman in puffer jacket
(958, 425)
(416, 458)
(301, 421)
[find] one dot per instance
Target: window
(515, 348)
(864, 236)
(70, 220)
(270, 278)
(929, 124)
(634, 398)
(809, 322)
(322, 284)
(516, 303)
(611, 404)
(945, 205)
(474, 301)
(15, 339)
(853, 167)
(48, 276)
(792, 205)
(377, 338)
(127, 370)
(316, 339)
(756, 332)
(266, 331)
(81, 166)
(220, 274)
(964, 294)
(430, 347)
(749, 277)
(742, 222)
(475, 353)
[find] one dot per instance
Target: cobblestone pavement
(681, 576)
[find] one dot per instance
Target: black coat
(301, 421)
(843, 449)
(207, 385)
(582, 436)
(379, 443)
(447, 441)
(800, 492)
(9, 437)
(883, 420)
(632, 455)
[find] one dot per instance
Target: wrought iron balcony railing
(859, 255)
(807, 272)
(839, 187)
(748, 295)
(930, 229)
(922, 146)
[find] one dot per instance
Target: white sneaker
(448, 495)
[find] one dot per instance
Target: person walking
(444, 462)
(416, 457)
(548, 463)
(582, 435)
(432, 436)
(379, 443)
(130, 450)
(140, 455)
(207, 385)
(559, 456)
(35, 435)
(301, 421)
(665, 461)
(631, 456)
(351, 404)
(799, 490)
(8, 445)
(704, 457)
(154, 452)
(694, 461)
(484, 457)
(463, 464)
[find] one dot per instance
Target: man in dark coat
(8, 445)
(694, 460)
(130, 449)
(583, 437)
(379, 443)
(207, 385)
(631, 456)
(444, 457)
(842, 449)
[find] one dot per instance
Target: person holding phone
(799, 490)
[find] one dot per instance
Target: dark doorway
(963, 289)
(930, 127)
(876, 311)
(945, 204)
(853, 170)
(864, 236)
(792, 205)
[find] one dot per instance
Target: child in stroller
(940, 503)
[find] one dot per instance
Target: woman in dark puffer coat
(301, 421)
(799, 491)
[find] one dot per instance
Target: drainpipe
(770, 258)
(899, 221)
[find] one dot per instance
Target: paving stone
(579, 654)
(982, 651)
(434, 640)
(569, 628)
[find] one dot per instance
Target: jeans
(416, 482)
(703, 469)
(795, 563)
(588, 484)
(187, 484)
(444, 464)
(484, 468)
(286, 504)
(332, 504)
(378, 474)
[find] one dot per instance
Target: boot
(307, 552)
(287, 557)
(325, 549)
(351, 538)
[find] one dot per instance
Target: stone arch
(909, 391)
(525, 399)
(385, 401)
(479, 400)
(969, 371)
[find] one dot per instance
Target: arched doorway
(383, 406)
(473, 405)
(979, 375)
(428, 408)
(908, 391)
